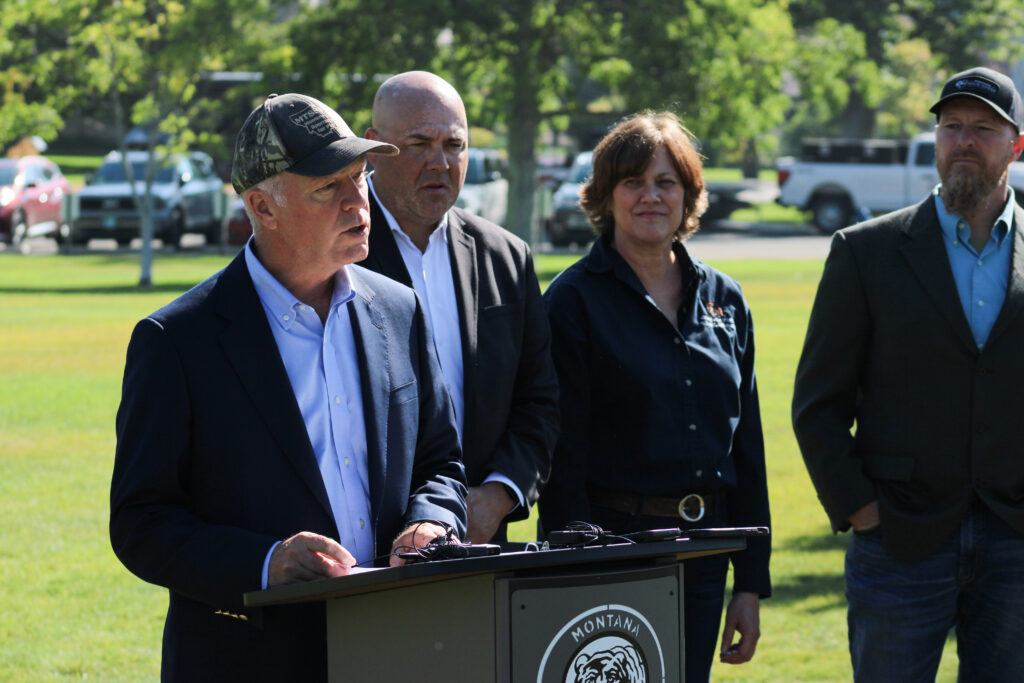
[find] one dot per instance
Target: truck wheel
(176, 229)
(831, 213)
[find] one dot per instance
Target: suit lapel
(249, 346)
(372, 357)
(462, 251)
(384, 256)
(926, 255)
(1014, 302)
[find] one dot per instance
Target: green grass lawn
(68, 609)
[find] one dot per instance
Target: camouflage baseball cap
(298, 134)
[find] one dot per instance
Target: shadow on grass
(800, 587)
(816, 543)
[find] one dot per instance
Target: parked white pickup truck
(844, 179)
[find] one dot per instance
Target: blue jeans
(900, 613)
(703, 586)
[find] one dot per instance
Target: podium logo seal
(606, 643)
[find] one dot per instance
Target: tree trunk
(751, 165)
(857, 120)
(523, 128)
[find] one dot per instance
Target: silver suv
(186, 198)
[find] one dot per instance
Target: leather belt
(692, 507)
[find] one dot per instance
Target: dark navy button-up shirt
(651, 409)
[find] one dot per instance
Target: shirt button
(693, 427)
(286, 318)
(689, 382)
(347, 462)
(719, 474)
(980, 263)
(677, 341)
(362, 524)
(337, 399)
(302, 307)
(981, 303)
(699, 473)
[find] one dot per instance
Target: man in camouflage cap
(285, 419)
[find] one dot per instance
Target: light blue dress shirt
(320, 359)
(981, 278)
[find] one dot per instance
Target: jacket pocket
(404, 393)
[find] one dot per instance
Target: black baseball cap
(991, 87)
(298, 134)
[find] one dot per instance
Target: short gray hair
(274, 186)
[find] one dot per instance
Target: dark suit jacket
(509, 382)
(938, 423)
(214, 465)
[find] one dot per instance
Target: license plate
(110, 221)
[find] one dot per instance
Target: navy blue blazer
(214, 465)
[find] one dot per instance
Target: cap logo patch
(313, 121)
(976, 84)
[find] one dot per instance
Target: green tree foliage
(147, 58)
(718, 63)
(905, 50)
(37, 70)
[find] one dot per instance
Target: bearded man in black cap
(917, 338)
(283, 420)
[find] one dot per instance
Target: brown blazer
(509, 383)
(888, 347)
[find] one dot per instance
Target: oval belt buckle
(688, 503)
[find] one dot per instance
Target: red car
(32, 190)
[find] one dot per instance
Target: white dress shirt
(431, 273)
(320, 359)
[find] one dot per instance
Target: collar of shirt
(603, 257)
(278, 301)
(955, 229)
(440, 232)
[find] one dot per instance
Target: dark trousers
(900, 613)
(703, 585)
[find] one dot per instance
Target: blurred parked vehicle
(186, 198)
(569, 223)
(237, 226)
(840, 180)
(32, 190)
(485, 191)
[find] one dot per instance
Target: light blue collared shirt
(981, 278)
(320, 359)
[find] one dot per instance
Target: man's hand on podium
(307, 557)
(416, 536)
(486, 507)
(743, 615)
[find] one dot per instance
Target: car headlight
(6, 195)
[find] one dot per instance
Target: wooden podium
(538, 616)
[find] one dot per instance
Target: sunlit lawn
(69, 610)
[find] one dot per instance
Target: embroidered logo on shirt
(716, 316)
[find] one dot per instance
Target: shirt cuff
(502, 479)
(265, 576)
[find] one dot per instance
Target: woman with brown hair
(655, 358)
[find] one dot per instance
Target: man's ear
(372, 134)
(262, 206)
(1018, 146)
